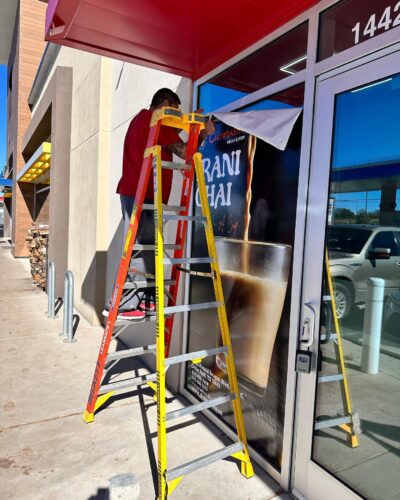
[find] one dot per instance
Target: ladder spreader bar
(128, 353)
(144, 284)
(328, 336)
(330, 378)
(189, 260)
(170, 165)
(196, 273)
(166, 208)
(208, 459)
(204, 353)
(191, 307)
(168, 246)
(125, 384)
(211, 403)
(187, 218)
(332, 422)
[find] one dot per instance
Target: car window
(347, 239)
(386, 239)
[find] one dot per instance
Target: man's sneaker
(134, 315)
(148, 305)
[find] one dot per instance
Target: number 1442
(385, 23)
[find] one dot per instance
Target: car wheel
(343, 300)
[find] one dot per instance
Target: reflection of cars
(391, 315)
(358, 252)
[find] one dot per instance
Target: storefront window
(283, 57)
(351, 22)
(252, 190)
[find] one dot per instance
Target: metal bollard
(51, 290)
(68, 332)
(124, 487)
(372, 326)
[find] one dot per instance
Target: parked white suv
(358, 252)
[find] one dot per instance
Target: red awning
(187, 38)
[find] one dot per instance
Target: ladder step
(189, 260)
(191, 307)
(167, 246)
(130, 285)
(328, 336)
(128, 353)
(170, 165)
(188, 218)
(211, 403)
(195, 355)
(208, 459)
(332, 422)
(326, 298)
(125, 384)
(166, 208)
(330, 378)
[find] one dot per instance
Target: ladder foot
(88, 417)
(246, 469)
(173, 484)
(352, 440)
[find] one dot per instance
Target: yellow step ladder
(169, 478)
(348, 420)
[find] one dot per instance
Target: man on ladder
(136, 303)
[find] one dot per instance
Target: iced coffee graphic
(254, 280)
(252, 198)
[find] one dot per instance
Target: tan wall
(28, 52)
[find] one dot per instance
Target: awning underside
(181, 37)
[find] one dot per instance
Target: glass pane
(281, 58)
(351, 22)
(363, 243)
(253, 209)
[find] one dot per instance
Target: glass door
(354, 220)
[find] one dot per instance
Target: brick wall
(25, 58)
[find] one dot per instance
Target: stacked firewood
(37, 242)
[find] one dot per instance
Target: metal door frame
(309, 479)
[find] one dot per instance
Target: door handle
(308, 324)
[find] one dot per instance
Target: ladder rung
(125, 384)
(328, 336)
(191, 307)
(166, 208)
(129, 285)
(193, 465)
(189, 260)
(195, 355)
(188, 218)
(128, 353)
(211, 403)
(330, 378)
(167, 246)
(170, 165)
(332, 422)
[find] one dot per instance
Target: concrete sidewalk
(48, 452)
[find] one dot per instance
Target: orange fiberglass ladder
(192, 123)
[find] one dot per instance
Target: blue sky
(3, 115)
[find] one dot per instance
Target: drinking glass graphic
(254, 278)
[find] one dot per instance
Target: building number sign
(377, 23)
